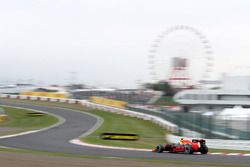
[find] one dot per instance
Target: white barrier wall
(212, 143)
(159, 121)
(216, 143)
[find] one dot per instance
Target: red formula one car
(184, 146)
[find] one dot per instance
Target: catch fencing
(171, 127)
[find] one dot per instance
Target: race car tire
(188, 149)
(159, 148)
(204, 150)
(168, 147)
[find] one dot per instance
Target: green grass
(165, 101)
(94, 136)
(167, 162)
(149, 133)
(19, 121)
(228, 151)
(100, 113)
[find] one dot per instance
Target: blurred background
(184, 61)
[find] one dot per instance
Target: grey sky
(107, 41)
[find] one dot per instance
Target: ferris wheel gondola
(181, 55)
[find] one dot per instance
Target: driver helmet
(181, 140)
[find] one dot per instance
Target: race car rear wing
(201, 141)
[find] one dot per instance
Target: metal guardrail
(205, 125)
(212, 143)
(159, 121)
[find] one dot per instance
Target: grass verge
(79, 107)
(166, 162)
(19, 121)
(165, 101)
(149, 133)
(228, 151)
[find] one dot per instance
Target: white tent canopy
(236, 113)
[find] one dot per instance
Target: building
(48, 91)
(133, 96)
(15, 88)
(234, 91)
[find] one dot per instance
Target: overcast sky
(106, 42)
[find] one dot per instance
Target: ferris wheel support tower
(179, 73)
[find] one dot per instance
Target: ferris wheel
(182, 56)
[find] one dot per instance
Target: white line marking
(245, 154)
(61, 120)
(79, 142)
(233, 154)
(216, 153)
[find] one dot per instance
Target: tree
(161, 86)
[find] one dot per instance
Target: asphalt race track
(57, 140)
